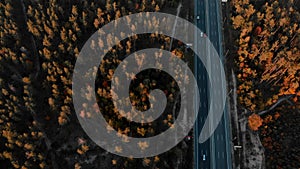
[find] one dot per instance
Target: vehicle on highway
(204, 157)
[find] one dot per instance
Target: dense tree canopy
(267, 64)
(268, 53)
(40, 41)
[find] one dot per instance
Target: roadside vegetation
(266, 55)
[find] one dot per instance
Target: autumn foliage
(255, 121)
(268, 60)
(39, 44)
(267, 64)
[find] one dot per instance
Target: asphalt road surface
(215, 153)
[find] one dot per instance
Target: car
(203, 35)
(204, 157)
(188, 138)
(189, 45)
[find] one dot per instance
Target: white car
(203, 35)
(189, 45)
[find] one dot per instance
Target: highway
(215, 153)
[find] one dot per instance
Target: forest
(41, 40)
(266, 60)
